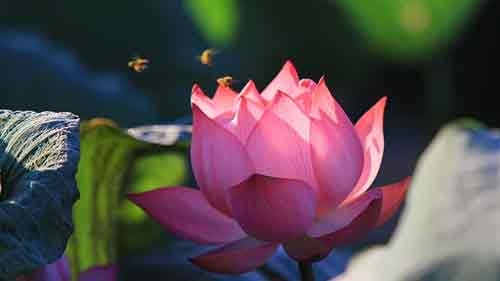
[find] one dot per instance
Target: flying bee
(138, 64)
(226, 81)
(207, 56)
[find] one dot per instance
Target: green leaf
(409, 29)
(38, 160)
(468, 123)
(218, 20)
(449, 229)
(113, 163)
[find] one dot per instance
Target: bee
(138, 64)
(207, 56)
(226, 81)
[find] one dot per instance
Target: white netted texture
(39, 155)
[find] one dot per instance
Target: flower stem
(306, 271)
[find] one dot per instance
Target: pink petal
(337, 158)
(370, 131)
(250, 92)
(392, 197)
(356, 230)
(99, 273)
(307, 249)
(289, 112)
(185, 212)
(342, 216)
(273, 209)
(224, 99)
(387, 200)
(307, 84)
(304, 102)
(246, 117)
(204, 103)
(218, 158)
(303, 99)
(322, 99)
(286, 81)
(279, 150)
(238, 257)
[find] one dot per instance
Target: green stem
(306, 271)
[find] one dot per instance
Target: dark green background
(429, 78)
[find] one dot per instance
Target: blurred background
(434, 59)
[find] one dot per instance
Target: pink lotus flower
(60, 271)
(283, 167)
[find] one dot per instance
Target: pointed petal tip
(382, 102)
(323, 85)
(251, 92)
(195, 87)
(379, 107)
(393, 196)
(406, 181)
(202, 101)
(224, 99)
(249, 89)
(291, 68)
(286, 80)
(322, 98)
(185, 212)
(224, 90)
(288, 63)
(202, 106)
(370, 128)
(249, 86)
(196, 90)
